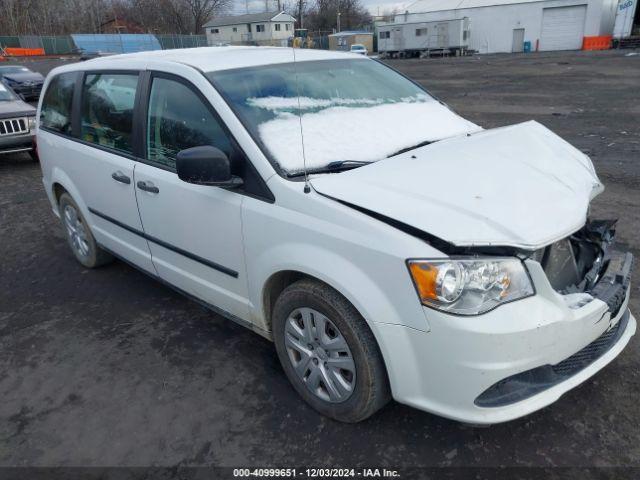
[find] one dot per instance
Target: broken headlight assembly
(470, 286)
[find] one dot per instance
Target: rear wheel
(328, 352)
(79, 235)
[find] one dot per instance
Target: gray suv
(17, 124)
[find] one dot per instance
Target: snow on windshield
(341, 109)
(352, 129)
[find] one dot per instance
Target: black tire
(95, 256)
(371, 391)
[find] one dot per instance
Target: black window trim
(71, 111)
(138, 134)
(135, 133)
(266, 195)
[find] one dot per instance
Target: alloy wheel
(76, 230)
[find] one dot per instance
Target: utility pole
(339, 21)
(301, 13)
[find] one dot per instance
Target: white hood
(520, 186)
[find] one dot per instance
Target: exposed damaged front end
(583, 266)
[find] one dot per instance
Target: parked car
(22, 81)
(358, 48)
(85, 55)
(388, 247)
(17, 124)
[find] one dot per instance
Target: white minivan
(387, 246)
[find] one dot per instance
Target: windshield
(347, 109)
(5, 93)
(357, 47)
(5, 70)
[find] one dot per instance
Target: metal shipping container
(412, 38)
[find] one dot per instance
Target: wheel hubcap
(320, 355)
(76, 231)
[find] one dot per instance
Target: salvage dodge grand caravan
(387, 246)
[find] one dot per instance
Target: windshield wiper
(403, 150)
(345, 165)
(333, 167)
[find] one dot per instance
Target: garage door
(563, 28)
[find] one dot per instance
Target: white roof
(224, 58)
(426, 6)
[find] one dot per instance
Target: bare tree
(389, 14)
(323, 15)
(60, 17)
(201, 11)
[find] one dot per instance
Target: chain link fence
(101, 43)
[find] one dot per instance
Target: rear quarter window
(56, 104)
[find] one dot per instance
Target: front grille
(591, 352)
(531, 382)
(14, 126)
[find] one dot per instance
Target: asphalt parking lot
(108, 367)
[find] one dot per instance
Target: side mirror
(22, 97)
(206, 165)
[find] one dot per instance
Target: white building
(506, 25)
(271, 28)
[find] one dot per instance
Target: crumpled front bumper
(446, 370)
(612, 289)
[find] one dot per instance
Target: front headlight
(470, 286)
(32, 123)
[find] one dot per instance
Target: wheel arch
(58, 189)
(274, 286)
(279, 280)
(61, 183)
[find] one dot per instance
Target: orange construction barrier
(23, 52)
(602, 42)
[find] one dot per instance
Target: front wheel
(328, 352)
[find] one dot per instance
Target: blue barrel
(527, 47)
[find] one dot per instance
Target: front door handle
(148, 187)
(120, 177)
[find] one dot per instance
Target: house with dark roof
(269, 28)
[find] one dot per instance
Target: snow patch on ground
(340, 132)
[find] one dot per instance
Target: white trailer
(625, 13)
(414, 38)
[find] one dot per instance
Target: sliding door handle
(121, 177)
(148, 187)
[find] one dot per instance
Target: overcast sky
(375, 6)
